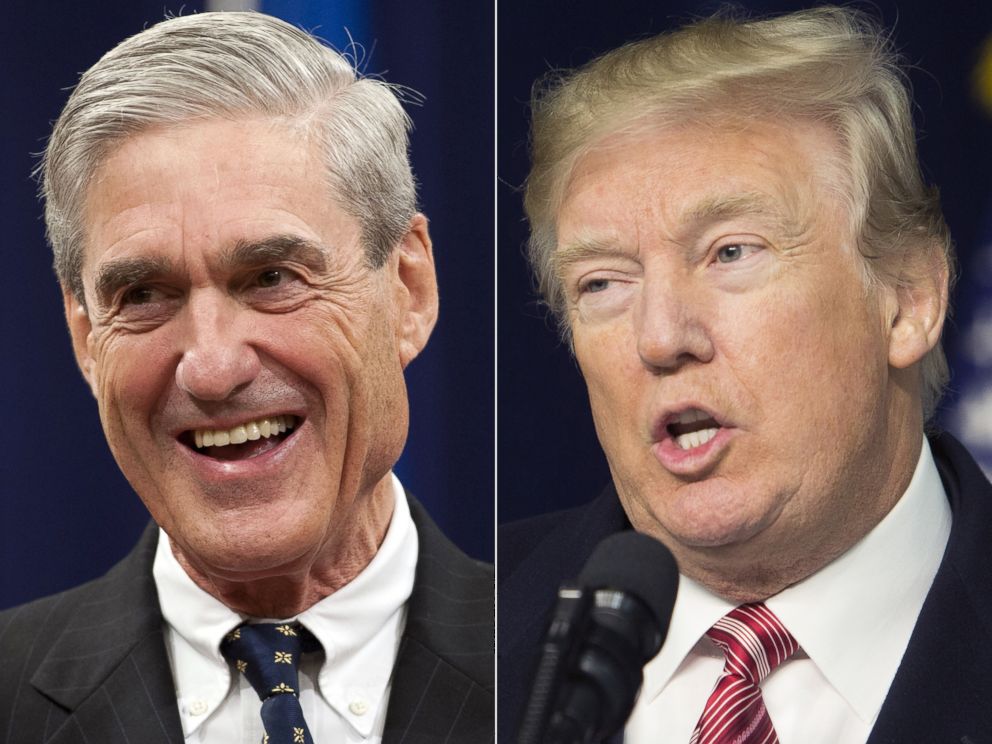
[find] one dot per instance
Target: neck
(289, 590)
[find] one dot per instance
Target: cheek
(131, 373)
(615, 380)
(349, 356)
(816, 359)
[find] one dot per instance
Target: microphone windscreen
(634, 563)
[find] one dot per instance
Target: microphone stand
(568, 622)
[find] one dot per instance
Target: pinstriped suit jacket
(90, 665)
(942, 692)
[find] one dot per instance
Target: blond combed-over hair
(829, 65)
(232, 66)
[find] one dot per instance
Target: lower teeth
(694, 439)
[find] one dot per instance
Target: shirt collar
(361, 624)
(345, 623)
(196, 622)
(860, 607)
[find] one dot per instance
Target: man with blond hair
(246, 277)
(730, 224)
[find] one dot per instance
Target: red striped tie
(754, 642)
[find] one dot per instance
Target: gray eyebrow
(276, 248)
(123, 272)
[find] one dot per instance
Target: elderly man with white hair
(245, 278)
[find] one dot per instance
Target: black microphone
(602, 631)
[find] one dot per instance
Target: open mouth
(241, 442)
(692, 428)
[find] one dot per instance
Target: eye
(594, 285)
(140, 296)
(735, 252)
(144, 307)
(271, 288)
(270, 278)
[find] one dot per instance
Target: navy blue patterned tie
(268, 655)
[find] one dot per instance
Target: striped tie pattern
(754, 642)
(268, 654)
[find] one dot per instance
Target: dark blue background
(548, 454)
(66, 513)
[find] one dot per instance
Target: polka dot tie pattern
(268, 655)
(754, 642)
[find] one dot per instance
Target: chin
(718, 535)
(248, 548)
(706, 528)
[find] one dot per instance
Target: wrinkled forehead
(240, 142)
(203, 189)
(201, 159)
(788, 173)
(248, 137)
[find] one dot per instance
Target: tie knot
(268, 655)
(753, 640)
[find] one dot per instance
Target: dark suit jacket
(943, 689)
(90, 665)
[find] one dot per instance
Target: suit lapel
(109, 667)
(442, 686)
(942, 689)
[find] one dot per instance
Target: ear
(418, 299)
(80, 329)
(920, 310)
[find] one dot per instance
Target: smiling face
(246, 362)
(744, 384)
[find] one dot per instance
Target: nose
(218, 359)
(672, 324)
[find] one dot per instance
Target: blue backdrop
(548, 454)
(66, 514)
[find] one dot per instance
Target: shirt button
(358, 707)
(198, 707)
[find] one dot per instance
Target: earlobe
(80, 328)
(418, 304)
(919, 318)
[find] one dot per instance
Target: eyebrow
(583, 249)
(273, 249)
(125, 272)
(719, 208)
(711, 210)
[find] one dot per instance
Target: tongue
(245, 450)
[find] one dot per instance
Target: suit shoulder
(22, 625)
(572, 531)
(452, 608)
(28, 633)
(517, 540)
(27, 630)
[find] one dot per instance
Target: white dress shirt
(852, 619)
(343, 692)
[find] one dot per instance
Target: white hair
(232, 65)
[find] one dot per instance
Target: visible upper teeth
(264, 427)
(695, 438)
(690, 416)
